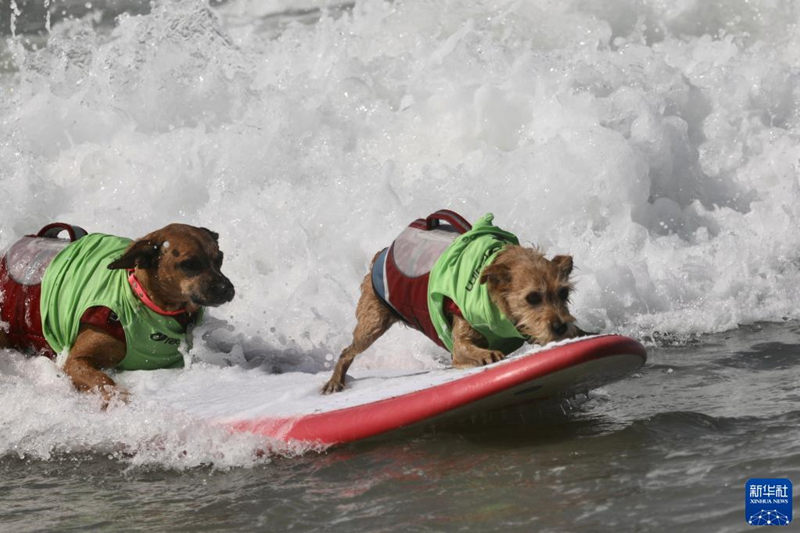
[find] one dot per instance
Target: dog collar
(138, 290)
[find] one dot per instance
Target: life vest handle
(451, 217)
(51, 231)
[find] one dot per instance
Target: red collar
(138, 290)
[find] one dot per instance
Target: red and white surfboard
(563, 370)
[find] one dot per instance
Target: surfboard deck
(290, 408)
(560, 371)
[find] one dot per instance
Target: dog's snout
(224, 290)
(216, 291)
(558, 327)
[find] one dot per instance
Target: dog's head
(533, 292)
(179, 267)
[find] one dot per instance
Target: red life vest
(401, 272)
(21, 270)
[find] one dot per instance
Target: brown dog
(168, 275)
(531, 292)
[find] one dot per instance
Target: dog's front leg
(94, 350)
(469, 346)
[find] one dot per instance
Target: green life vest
(78, 278)
(456, 275)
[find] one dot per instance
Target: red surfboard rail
(370, 419)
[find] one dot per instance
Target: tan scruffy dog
(484, 296)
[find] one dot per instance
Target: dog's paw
(477, 358)
(492, 356)
(332, 385)
(113, 396)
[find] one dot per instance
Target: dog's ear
(564, 265)
(142, 254)
(214, 234)
(497, 276)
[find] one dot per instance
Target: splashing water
(658, 144)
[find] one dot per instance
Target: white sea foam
(658, 143)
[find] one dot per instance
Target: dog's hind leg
(373, 318)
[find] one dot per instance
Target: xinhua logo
(768, 502)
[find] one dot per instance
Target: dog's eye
(534, 298)
(191, 265)
(563, 294)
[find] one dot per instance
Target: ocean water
(657, 142)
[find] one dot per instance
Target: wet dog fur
(531, 291)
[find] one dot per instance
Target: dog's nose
(558, 327)
(224, 290)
